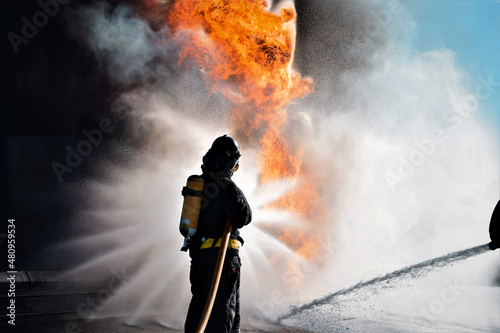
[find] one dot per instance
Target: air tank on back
(192, 193)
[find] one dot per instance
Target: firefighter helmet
(222, 156)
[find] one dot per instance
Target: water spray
(413, 271)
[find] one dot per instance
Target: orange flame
(246, 53)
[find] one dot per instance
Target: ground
(73, 324)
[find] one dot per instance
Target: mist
(406, 166)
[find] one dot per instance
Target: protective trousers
(225, 315)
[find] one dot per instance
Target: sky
(469, 28)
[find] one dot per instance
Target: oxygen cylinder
(192, 193)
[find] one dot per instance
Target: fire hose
(216, 278)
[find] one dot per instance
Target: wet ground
(442, 300)
(74, 324)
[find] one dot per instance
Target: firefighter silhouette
(210, 200)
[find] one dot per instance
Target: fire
(245, 53)
(275, 161)
(305, 201)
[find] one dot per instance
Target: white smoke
(407, 166)
(412, 171)
(123, 44)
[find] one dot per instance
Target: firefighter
(221, 200)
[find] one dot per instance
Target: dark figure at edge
(222, 200)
